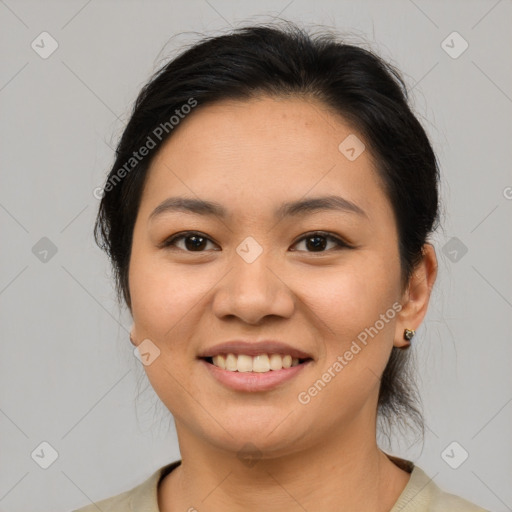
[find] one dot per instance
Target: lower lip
(254, 381)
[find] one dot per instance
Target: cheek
(355, 306)
(353, 296)
(161, 295)
(163, 301)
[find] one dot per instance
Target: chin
(271, 435)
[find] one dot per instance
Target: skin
(251, 156)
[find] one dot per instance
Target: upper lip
(254, 348)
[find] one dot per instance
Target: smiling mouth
(261, 363)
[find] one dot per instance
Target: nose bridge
(253, 288)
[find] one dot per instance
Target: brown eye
(193, 242)
(318, 241)
(197, 242)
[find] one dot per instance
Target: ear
(416, 297)
(133, 336)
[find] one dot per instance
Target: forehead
(254, 154)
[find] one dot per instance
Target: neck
(345, 473)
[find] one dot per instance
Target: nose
(253, 291)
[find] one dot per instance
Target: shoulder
(446, 501)
(142, 497)
(114, 504)
(422, 494)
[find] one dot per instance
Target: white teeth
(244, 363)
(276, 362)
(261, 363)
(231, 362)
(220, 361)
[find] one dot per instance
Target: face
(258, 271)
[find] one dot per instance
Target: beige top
(420, 494)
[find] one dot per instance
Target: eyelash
(341, 244)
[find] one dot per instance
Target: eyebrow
(288, 209)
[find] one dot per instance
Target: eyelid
(169, 242)
(339, 241)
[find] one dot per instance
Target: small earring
(408, 335)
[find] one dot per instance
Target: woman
(267, 218)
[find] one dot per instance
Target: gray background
(68, 374)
